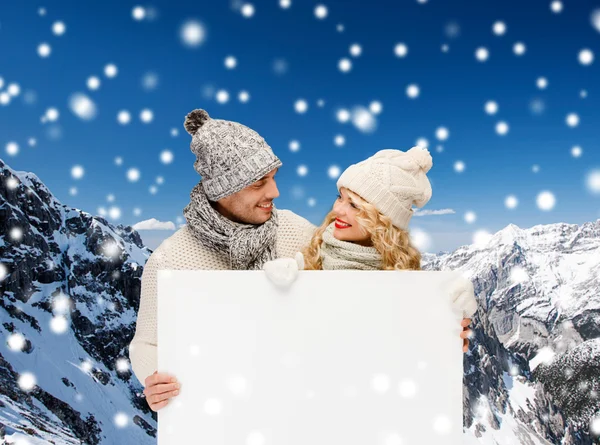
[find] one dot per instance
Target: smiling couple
(232, 224)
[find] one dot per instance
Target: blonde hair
(393, 243)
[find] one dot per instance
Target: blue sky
(442, 38)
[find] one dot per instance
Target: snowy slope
(71, 295)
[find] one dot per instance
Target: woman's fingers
(465, 322)
(465, 345)
(466, 334)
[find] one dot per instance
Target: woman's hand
(159, 389)
(466, 333)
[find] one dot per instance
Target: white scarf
(341, 255)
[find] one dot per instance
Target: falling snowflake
(355, 50)
(27, 381)
(470, 217)
(44, 50)
(491, 107)
(244, 96)
(230, 62)
(294, 146)
(576, 151)
(375, 107)
(123, 117)
(572, 120)
(482, 54)
(77, 172)
(138, 13)
(343, 115)
(146, 115)
(592, 182)
(111, 70)
(301, 106)
(59, 324)
(545, 200)
(407, 388)
(122, 365)
(339, 140)
(400, 50)
(121, 420)
(499, 28)
(364, 120)
(421, 239)
(413, 91)
(518, 275)
(213, 407)
(459, 166)
(16, 340)
(556, 6)
(321, 12)
(166, 156)
(93, 83)
(16, 233)
(542, 83)
(247, 10)
(12, 148)
(82, 106)
(502, 128)
(302, 170)
(519, 48)
(192, 33)
(222, 96)
(59, 28)
(333, 172)
(345, 65)
(380, 383)
(586, 57)
(133, 174)
(442, 133)
(511, 202)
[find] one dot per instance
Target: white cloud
(154, 224)
(434, 212)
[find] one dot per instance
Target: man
(231, 225)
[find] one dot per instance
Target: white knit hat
(392, 180)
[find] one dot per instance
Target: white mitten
(462, 296)
(282, 271)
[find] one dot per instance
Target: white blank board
(339, 357)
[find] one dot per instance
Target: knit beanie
(392, 180)
(229, 155)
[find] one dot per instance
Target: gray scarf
(340, 255)
(247, 246)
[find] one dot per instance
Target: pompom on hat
(392, 180)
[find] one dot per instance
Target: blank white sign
(338, 358)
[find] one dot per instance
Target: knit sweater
(182, 251)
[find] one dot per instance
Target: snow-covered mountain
(70, 292)
(539, 310)
(69, 301)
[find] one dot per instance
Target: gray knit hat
(229, 155)
(392, 180)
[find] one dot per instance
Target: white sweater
(181, 251)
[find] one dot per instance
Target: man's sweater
(182, 251)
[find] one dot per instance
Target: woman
(367, 228)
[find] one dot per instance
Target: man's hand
(466, 333)
(159, 389)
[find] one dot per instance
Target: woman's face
(347, 228)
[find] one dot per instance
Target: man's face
(253, 204)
